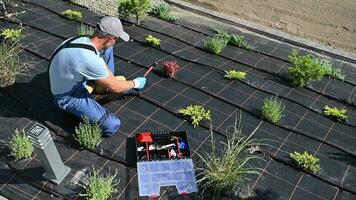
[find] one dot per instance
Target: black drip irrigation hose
(58, 131)
(252, 86)
(272, 156)
(226, 57)
(206, 92)
(215, 69)
(278, 159)
(245, 64)
(221, 71)
(253, 50)
(258, 69)
(261, 32)
(207, 34)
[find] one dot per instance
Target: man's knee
(110, 124)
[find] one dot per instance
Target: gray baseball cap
(112, 26)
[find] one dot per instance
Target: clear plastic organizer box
(163, 159)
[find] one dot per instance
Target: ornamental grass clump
(10, 63)
(225, 171)
(222, 34)
(233, 39)
(85, 30)
(329, 70)
(13, 35)
(134, 8)
(171, 68)
(72, 15)
(88, 135)
(20, 146)
(239, 40)
(337, 113)
(196, 113)
(100, 187)
(235, 75)
(272, 109)
(214, 44)
(152, 40)
(306, 161)
(162, 10)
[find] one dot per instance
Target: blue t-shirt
(73, 65)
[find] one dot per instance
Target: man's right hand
(140, 82)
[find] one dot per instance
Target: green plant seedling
(272, 109)
(150, 39)
(337, 113)
(85, 30)
(162, 10)
(72, 15)
(306, 161)
(100, 187)
(11, 34)
(20, 146)
(197, 113)
(235, 75)
(136, 8)
(10, 64)
(214, 44)
(87, 135)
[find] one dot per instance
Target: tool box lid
(152, 175)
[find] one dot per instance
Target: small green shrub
(136, 8)
(10, 63)
(11, 34)
(88, 135)
(72, 15)
(214, 44)
(152, 40)
(307, 68)
(85, 30)
(226, 170)
(336, 112)
(20, 146)
(197, 113)
(306, 161)
(272, 109)
(162, 10)
(235, 75)
(100, 187)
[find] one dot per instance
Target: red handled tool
(149, 70)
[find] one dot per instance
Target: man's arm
(115, 85)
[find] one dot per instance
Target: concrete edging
(254, 27)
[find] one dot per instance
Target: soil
(330, 22)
